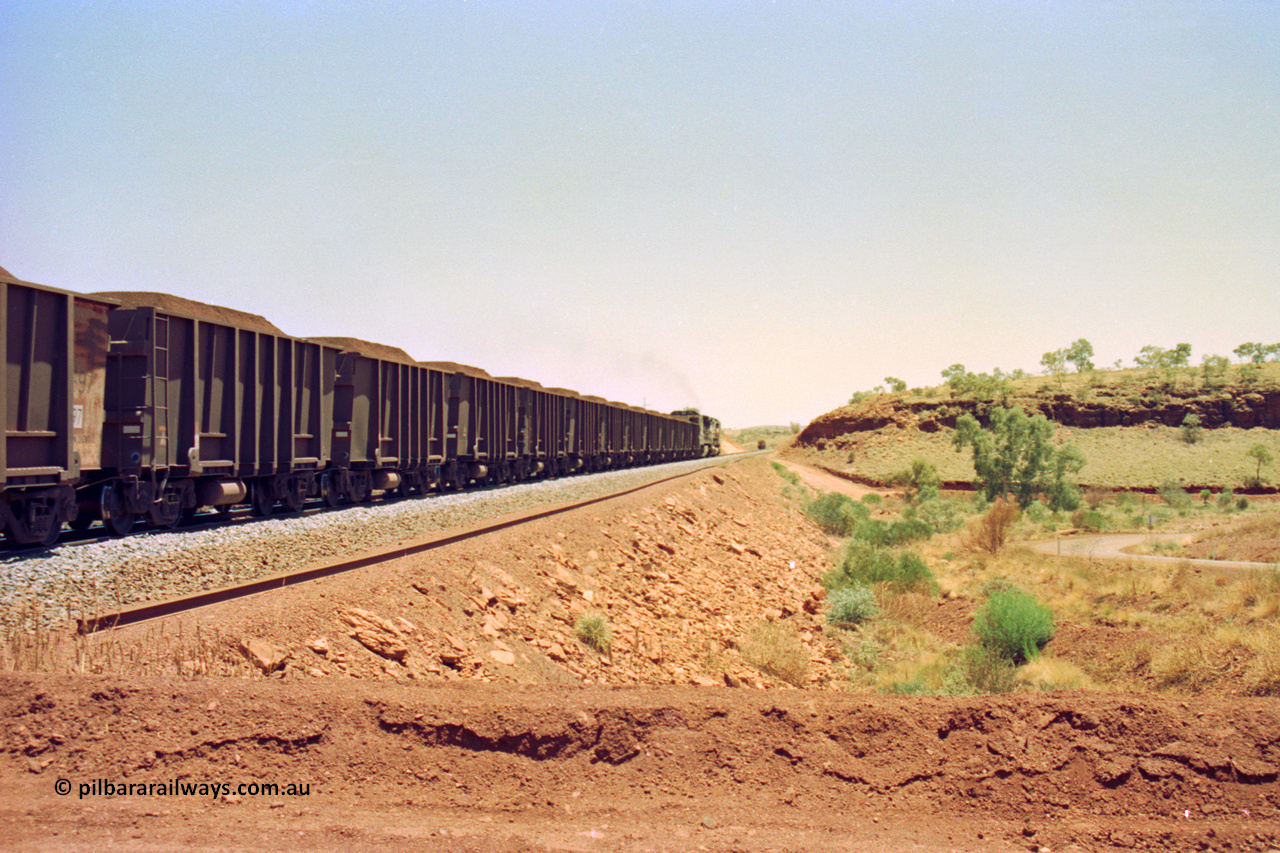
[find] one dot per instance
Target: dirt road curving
(1112, 546)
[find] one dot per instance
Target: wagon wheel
(118, 520)
(295, 495)
(329, 490)
(361, 489)
(165, 514)
(263, 503)
(409, 485)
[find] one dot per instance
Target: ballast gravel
(48, 588)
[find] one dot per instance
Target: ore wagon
(390, 420)
(482, 437)
(208, 406)
(55, 345)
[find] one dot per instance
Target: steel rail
(169, 607)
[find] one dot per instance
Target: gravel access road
(49, 588)
(1111, 546)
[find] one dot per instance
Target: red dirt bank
(481, 767)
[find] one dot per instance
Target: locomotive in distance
(128, 406)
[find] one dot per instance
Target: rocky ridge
(1106, 407)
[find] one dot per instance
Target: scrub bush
(837, 514)
(593, 630)
(1014, 625)
(865, 564)
(851, 606)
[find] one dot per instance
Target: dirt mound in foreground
(541, 768)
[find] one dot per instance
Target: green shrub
(593, 630)
(837, 514)
(916, 687)
(1174, 495)
(1089, 519)
(919, 475)
(873, 531)
(1191, 429)
(995, 586)
(851, 605)
(912, 572)
(1014, 625)
(1037, 511)
(940, 514)
(860, 565)
(872, 499)
(865, 564)
(786, 473)
(1226, 498)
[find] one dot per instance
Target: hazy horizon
(754, 208)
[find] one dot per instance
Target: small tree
(1167, 361)
(1151, 356)
(1255, 353)
(1080, 354)
(895, 384)
(1215, 369)
(957, 377)
(918, 476)
(1014, 455)
(1191, 429)
(1056, 363)
(1263, 456)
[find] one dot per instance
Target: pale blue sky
(756, 208)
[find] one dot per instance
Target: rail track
(168, 607)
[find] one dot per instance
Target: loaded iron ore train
(128, 406)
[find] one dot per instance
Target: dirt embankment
(481, 768)
(682, 574)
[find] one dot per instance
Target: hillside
(1126, 422)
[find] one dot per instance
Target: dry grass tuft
(1049, 673)
(990, 531)
(908, 607)
(165, 649)
(1262, 675)
(775, 649)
